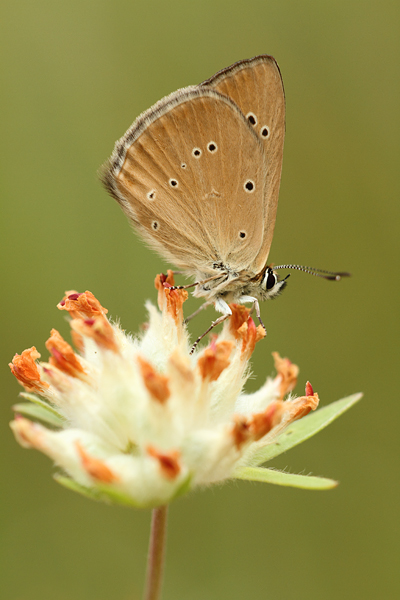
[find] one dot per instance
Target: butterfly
(198, 176)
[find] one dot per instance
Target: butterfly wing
(256, 86)
(190, 176)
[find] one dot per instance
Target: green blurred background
(75, 75)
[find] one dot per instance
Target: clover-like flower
(139, 421)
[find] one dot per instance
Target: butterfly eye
(173, 183)
(183, 166)
(264, 131)
(212, 147)
(151, 195)
(271, 280)
(196, 152)
(154, 225)
(242, 234)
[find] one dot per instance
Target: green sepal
(70, 484)
(109, 495)
(113, 496)
(306, 482)
(301, 430)
(183, 488)
(101, 493)
(39, 412)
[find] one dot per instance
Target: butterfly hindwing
(256, 86)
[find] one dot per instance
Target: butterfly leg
(221, 306)
(185, 287)
(196, 312)
(255, 306)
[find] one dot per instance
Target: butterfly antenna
(330, 275)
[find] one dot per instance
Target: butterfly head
(270, 284)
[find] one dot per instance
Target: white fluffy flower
(139, 420)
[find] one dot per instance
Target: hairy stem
(155, 559)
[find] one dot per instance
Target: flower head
(138, 420)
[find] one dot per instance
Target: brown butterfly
(198, 176)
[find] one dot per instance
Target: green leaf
(306, 482)
(36, 400)
(301, 430)
(39, 412)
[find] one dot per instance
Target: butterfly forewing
(255, 85)
(190, 174)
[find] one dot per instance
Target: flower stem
(155, 559)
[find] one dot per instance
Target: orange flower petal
(262, 423)
(59, 380)
(24, 368)
(95, 467)
(250, 335)
(169, 462)
(78, 341)
(159, 285)
(303, 405)
(155, 383)
(288, 373)
(28, 434)
(240, 430)
(282, 412)
(214, 360)
(83, 305)
(240, 315)
(62, 355)
(99, 330)
(175, 300)
(181, 367)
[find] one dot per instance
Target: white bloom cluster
(139, 420)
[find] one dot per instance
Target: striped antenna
(330, 275)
